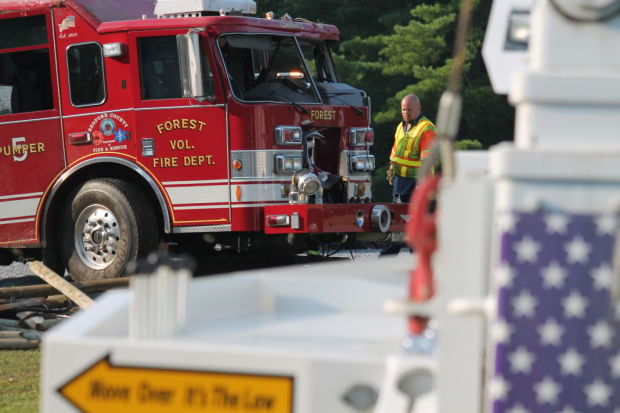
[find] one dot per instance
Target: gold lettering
(22, 149)
(168, 162)
(198, 160)
(180, 144)
(182, 123)
(323, 114)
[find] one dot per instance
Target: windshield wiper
(335, 96)
(297, 105)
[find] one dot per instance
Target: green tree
(422, 52)
(352, 17)
(407, 47)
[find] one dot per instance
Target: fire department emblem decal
(107, 126)
(110, 132)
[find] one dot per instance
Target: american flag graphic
(555, 336)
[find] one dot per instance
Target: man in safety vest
(412, 143)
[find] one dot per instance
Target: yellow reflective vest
(411, 147)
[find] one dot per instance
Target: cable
(450, 104)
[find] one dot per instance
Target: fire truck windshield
(272, 68)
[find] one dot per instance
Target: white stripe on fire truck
(179, 183)
(192, 194)
(16, 221)
(23, 208)
(21, 196)
(29, 120)
(90, 114)
(184, 195)
(235, 205)
(200, 206)
(256, 205)
(261, 192)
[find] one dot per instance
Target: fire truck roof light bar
(192, 8)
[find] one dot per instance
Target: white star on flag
(606, 224)
(501, 331)
(521, 360)
(571, 362)
(551, 333)
(598, 393)
(602, 276)
(614, 362)
(503, 276)
(524, 304)
(556, 223)
(575, 305)
(547, 391)
(577, 250)
(506, 222)
(498, 388)
(517, 408)
(600, 335)
(527, 249)
(553, 275)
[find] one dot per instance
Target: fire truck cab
(122, 126)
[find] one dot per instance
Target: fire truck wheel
(107, 223)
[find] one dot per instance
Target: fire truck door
(183, 140)
(31, 153)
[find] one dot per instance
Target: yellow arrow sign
(104, 387)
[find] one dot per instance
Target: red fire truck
(122, 126)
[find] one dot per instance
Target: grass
(19, 381)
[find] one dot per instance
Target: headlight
(307, 183)
(288, 135)
(361, 136)
(362, 163)
(287, 164)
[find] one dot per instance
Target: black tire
(107, 223)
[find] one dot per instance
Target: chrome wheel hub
(97, 237)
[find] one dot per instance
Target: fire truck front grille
(327, 151)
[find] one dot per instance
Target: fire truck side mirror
(190, 65)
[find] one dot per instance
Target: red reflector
(369, 137)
